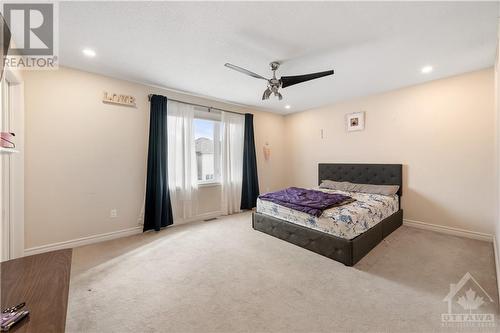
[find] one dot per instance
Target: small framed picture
(355, 121)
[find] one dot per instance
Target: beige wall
(84, 158)
(270, 128)
(443, 132)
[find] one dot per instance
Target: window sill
(214, 184)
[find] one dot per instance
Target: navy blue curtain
(250, 186)
(158, 209)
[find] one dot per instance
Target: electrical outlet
(113, 213)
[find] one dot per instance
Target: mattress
(346, 221)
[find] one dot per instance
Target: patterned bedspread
(346, 221)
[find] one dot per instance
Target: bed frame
(346, 251)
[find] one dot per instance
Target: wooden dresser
(42, 281)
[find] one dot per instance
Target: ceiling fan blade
(244, 71)
(287, 81)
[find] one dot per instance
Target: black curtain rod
(194, 104)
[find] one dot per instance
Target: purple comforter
(308, 201)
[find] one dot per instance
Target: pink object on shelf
(7, 140)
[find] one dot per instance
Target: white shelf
(8, 150)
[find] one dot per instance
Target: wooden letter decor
(125, 100)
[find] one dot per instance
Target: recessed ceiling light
(287, 106)
(427, 69)
(89, 52)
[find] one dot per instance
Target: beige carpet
(222, 276)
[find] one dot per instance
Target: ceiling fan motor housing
(274, 65)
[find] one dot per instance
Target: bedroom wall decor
(355, 121)
(125, 100)
(267, 151)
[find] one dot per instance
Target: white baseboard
(449, 230)
(497, 264)
(201, 217)
(83, 241)
(107, 236)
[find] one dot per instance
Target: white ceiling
(372, 46)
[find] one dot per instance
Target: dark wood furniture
(42, 281)
(346, 251)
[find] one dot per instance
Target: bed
(328, 235)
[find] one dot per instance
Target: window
(206, 128)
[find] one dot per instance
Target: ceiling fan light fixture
(266, 94)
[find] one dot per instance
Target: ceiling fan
(274, 84)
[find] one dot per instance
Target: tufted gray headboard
(378, 174)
